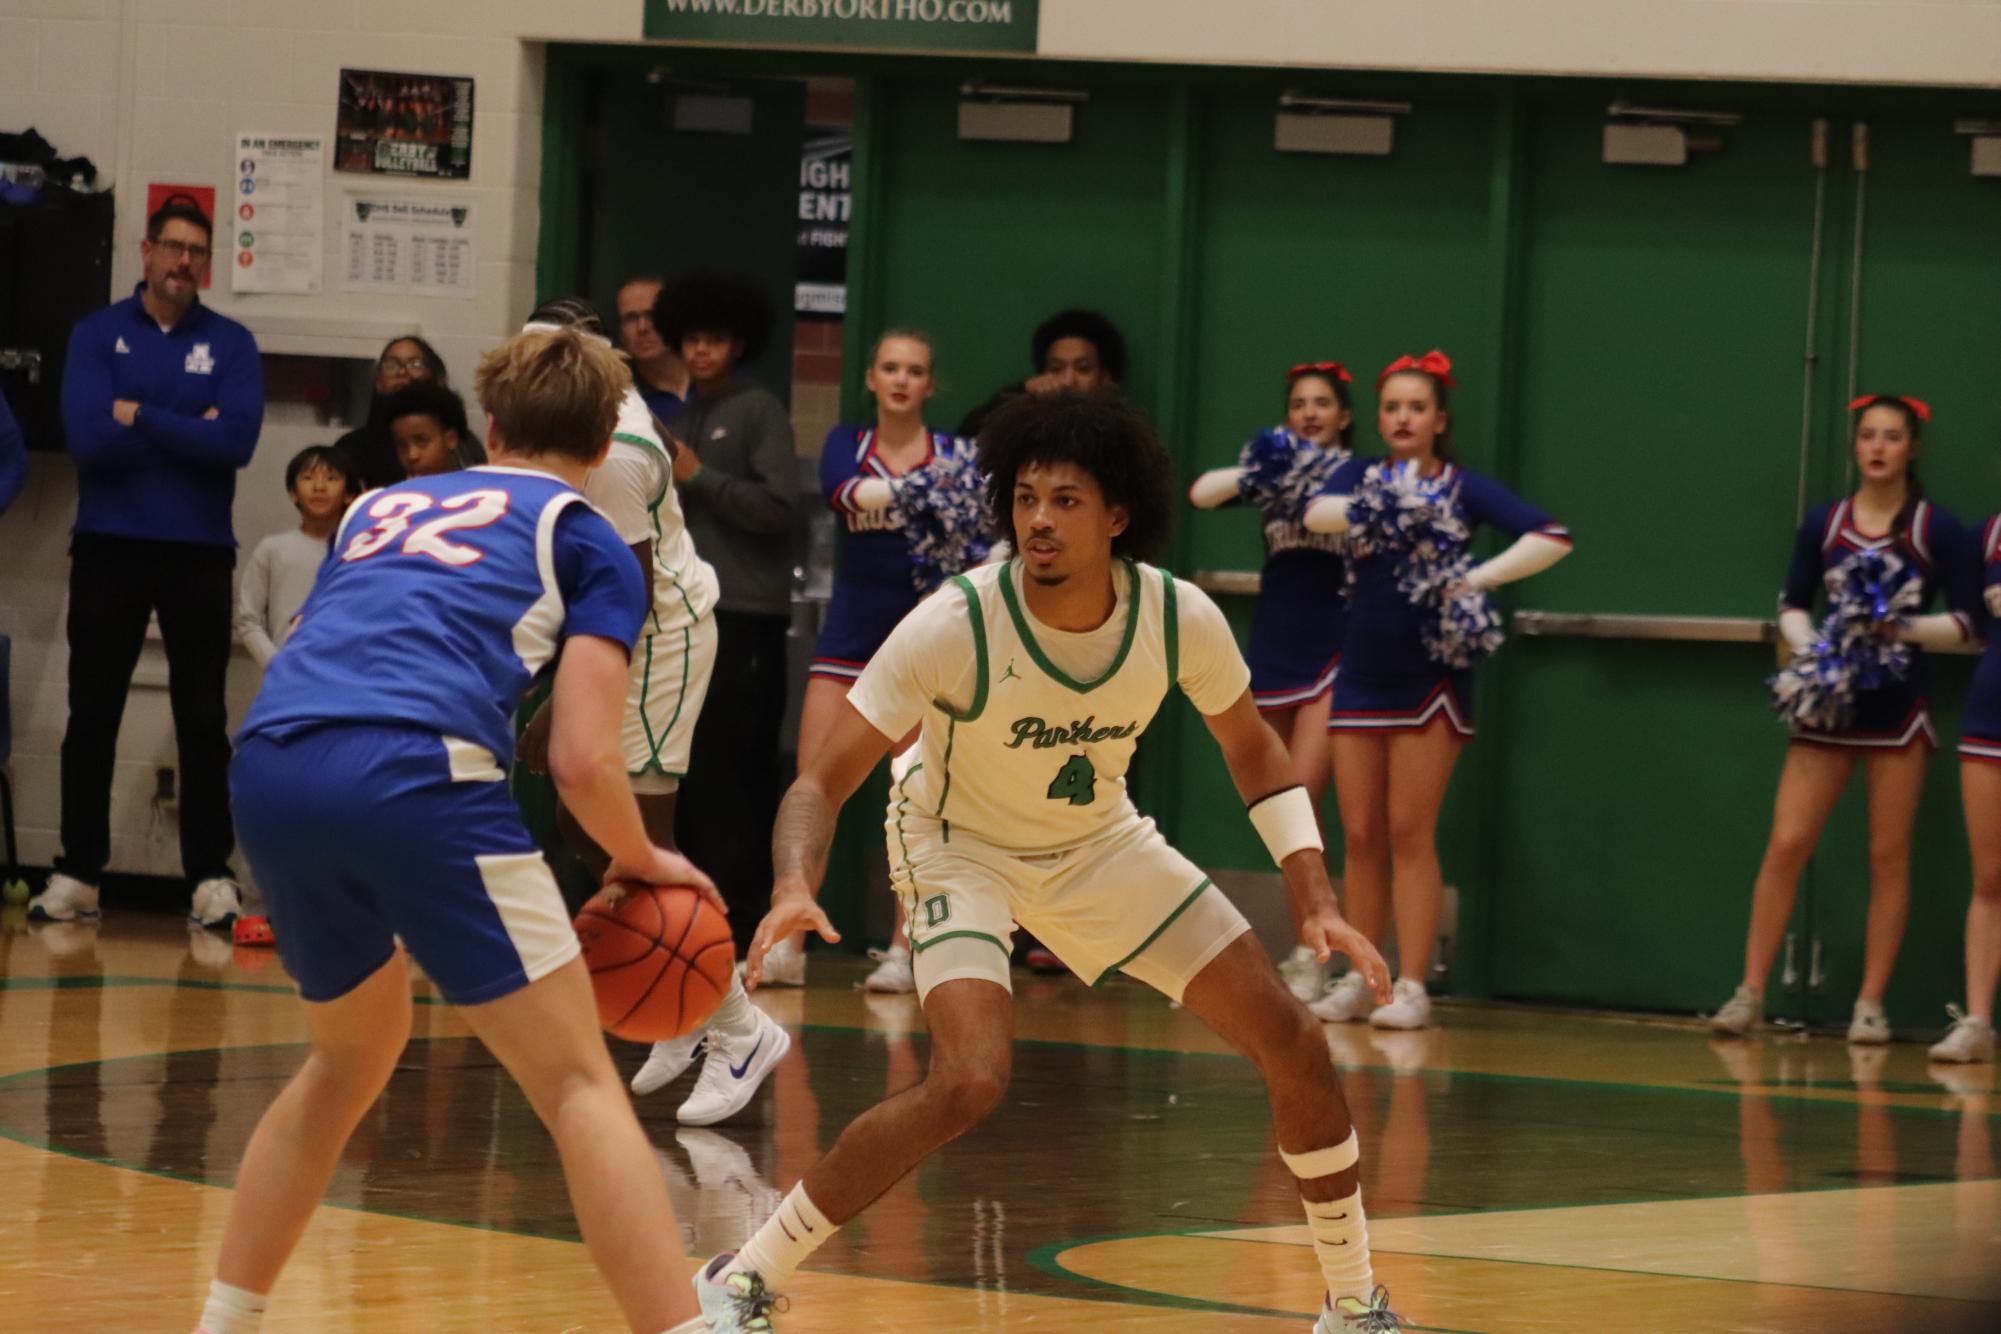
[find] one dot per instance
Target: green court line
(1772, 1093)
(1048, 1259)
(1597, 1269)
(1044, 1258)
(9, 1133)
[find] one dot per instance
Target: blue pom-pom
(1281, 472)
(944, 513)
(1400, 514)
(1867, 593)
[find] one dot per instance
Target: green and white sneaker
(1353, 1316)
(735, 1303)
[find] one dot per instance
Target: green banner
(925, 25)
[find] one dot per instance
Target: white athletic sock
(736, 1017)
(1341, 1241)
(232, 1310)
(695, 1326)
(783, 1243)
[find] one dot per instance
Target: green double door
(1689, 339)
(660, 177)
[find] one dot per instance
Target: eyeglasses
(181, 249)
(414, 366)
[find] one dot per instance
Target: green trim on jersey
(653, 511)
(951, 735)
(1166, 922)
(903, 804)
(954, 717)
(1170, 624)
(654, 743)
(1134, 596)
(979, 624)
(917, 947)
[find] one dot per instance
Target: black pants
(730, 797)
(115, 585)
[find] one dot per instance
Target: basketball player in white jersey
(634, 489)
(1031, 681)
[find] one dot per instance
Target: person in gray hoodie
(737, 470)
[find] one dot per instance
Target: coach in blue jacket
(13, 457)
(162, 403)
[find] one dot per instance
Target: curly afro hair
(427, 399)
(1088, 325)
(1102, 434)
(715, 303)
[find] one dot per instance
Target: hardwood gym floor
(1525, 1171)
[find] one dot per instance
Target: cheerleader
(1399, 718)
(875, 581)
(1295, 643)
(1972, 1034)
(1890, 731)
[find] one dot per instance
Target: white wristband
(1284, 820)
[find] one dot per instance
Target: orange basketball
(660, 960)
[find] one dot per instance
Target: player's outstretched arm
(585, 710)
(1262, 773)
(804, 832)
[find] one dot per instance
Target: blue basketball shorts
(363, 834)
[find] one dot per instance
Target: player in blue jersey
(1296, 625)
(1891, 734)
(369, 786)
(1972, 1036)
(874, 581)
(1399, 718)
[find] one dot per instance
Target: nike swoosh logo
(737, 1071)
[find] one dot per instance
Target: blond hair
(909, 335)
(553, 391)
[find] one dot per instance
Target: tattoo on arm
(803, 834)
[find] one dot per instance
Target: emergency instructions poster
(277, 231)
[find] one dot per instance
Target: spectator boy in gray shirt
(281, 571)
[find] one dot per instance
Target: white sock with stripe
(783, 1243)
(231, 1310)
(1339, 1227)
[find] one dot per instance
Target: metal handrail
(1234, 583)
(1583, 625)
(1694, 629)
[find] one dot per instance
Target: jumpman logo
(1009, 675)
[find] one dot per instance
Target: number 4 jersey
(440, 599)
(1028, 730)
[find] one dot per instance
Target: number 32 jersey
(441, 598)
(1027, 730)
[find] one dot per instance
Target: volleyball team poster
(404, 124)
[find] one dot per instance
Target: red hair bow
(1917, 405)
(1333, 369)
(1434, 363)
